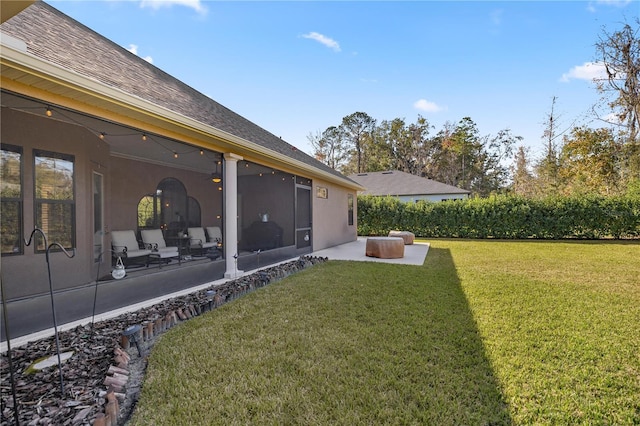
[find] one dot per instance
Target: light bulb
(49, 112)
(144, 136)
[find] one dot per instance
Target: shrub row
(585, 217)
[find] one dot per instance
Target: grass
(485, 332)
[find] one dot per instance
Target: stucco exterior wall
(330, 216)
(26, 274)
(131, 180)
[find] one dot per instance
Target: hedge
(505, 217)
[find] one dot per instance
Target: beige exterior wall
(330, 216)
(131, 180)
(27, 273)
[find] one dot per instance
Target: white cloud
(133, 48)
(157, 4)
(587, 71)
(327, 41)
(427, 106)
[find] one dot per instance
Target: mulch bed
(101, 381)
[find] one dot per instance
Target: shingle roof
(55, 37)
(397, 183)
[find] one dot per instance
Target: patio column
(231, 214)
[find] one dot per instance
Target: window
(350, 209)
(148, 208)
(11, 200)
(54, 198)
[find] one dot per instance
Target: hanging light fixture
(216, 177)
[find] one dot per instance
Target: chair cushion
(153, 238)
(214, 233)
(125, 241)
(137, 253)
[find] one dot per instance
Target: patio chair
(215, 235)
(126, 246)
(198, 241)
(154, 240)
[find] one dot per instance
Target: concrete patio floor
(414, 254)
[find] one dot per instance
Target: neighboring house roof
(397, 183)
(56, 38)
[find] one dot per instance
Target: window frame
(18, 200)
(38, 202)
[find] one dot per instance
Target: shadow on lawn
(455, 348)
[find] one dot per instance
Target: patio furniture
(198, 241)
(126, 246)
(154, 240)
(407, 236)
(262, 236)
(215, 235)
(385, 247)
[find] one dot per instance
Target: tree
(547, 167)
(619, 52)
(329, 147)
(357, 130)
(590, 160)
(523, 179)
(496, 154)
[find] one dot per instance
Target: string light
(102, 135)
(202, 152)
(144, 136)
(49, 112)
(175, 154)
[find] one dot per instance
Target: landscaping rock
(102, 379)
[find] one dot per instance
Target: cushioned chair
(198, 241)
(215, 235)
(154, 240)
(126, 246)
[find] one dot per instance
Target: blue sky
(298, 67)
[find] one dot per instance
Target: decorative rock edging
(110, 401)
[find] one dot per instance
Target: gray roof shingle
(397, 183)
(57, 38)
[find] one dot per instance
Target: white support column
(231, 215)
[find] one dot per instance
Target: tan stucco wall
(131, 180)
(27, 274)
(330, 220)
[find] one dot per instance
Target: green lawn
(485, 332)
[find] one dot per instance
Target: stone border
(110, 400)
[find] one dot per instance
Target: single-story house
(407, 187)
(95, 140)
